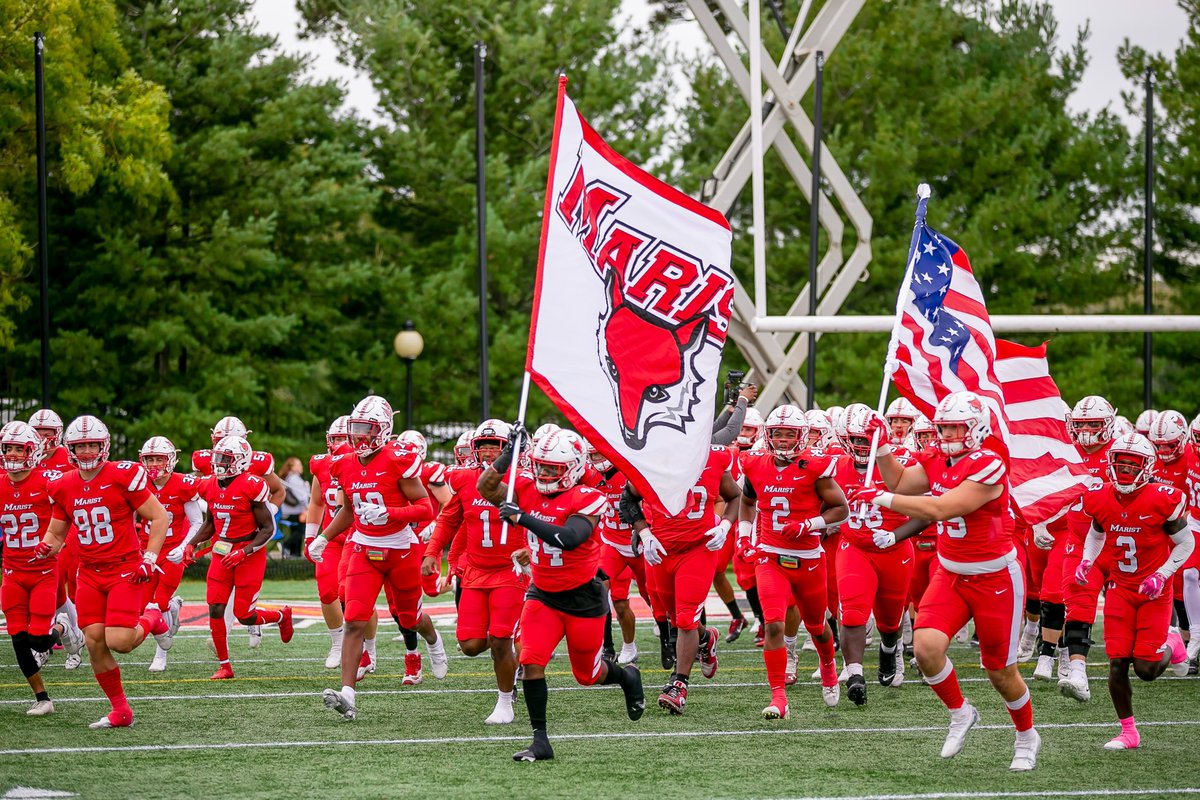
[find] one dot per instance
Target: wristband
(311, 529)
(745, 529)
(884, 449)
(725, 525)
(884, 500)
(150, 557)
(816, 523)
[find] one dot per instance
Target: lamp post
(409, 344)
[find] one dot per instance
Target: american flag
(943, 343)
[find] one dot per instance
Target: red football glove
(799, 529)
(878, 423)
(146, 569)
(868, 494)
(234, 558)
(1153, 586)
(1081, 572)
(189, 554)
(42, 550)
(746, 549)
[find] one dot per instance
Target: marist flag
(630, 310)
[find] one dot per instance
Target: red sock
(1021, 711)
(110, 683)
(776, 661)
(220, 637)
(824, 650)
(945, 686)
(267, 617)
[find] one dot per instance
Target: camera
(733, 385)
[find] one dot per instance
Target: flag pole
(889, 364)
(516, 456)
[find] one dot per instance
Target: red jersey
(260, 463)
(318, 465)
(25, 511)
(786, 494)
(591, 478)
(980, 541)
(1078, 522)
(229, 506)
(614, 532)
(101, 511)
(178, 489)
(56, 460)
(488, 544)
(556, 570)
(1133, 528)
(864, 520)
(1184, 474)
(378, 482)
(700, 515)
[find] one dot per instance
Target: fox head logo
(650, 363)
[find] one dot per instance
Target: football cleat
(666, 653)
(412, 669)
(173, 610)
(159, 628)
(334, 659)
(336, 701)
(73, 661)
(366, 665)
(888, 665)
(286, 629)
(1125, 740)
(609, 654)
(1179, 659)
(255, 632)
(502, 714)
(778, 709)
(789, 669)
(1044, 669)
(1025, 752)
(224, 672)
(1075, 686)
(760, 634)
(115, 719)
(673, 697)
(40, 708)
(628, 655)
(856, 690)
(41, 659)
(159, 663)
(1193, 648)
(832, 694)
(708, 654)
(1026, 645)
(961, 722)
(71, 637)
(809, 645)
(1064, 663)
(740, 624)
(963, 635)
(635, 695)
(539, 750)
(439, 662)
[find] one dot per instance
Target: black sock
(535, 702)
(664, 631)
(1181, 616)
(615, 674)
(410, 638)
(734, 610)
(752, 599)
(833, 626)
(1048, 648)
(42, 696)
(608, 636)
(703, 618)
(396, 620)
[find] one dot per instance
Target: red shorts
(873, 580)
(246, 577)
(327, 571)
(744, 572)
(681, 583)
(805, 584)
(344, 566)
(106, 595)
(725, 554)
(1052, 580)
(622, 571)
(162, 585)
(489, 611)
(1081, 601)
(995, 600)
(1134, 625)
(924, 563)
(29, 598)
(542, 628)
(370, 568)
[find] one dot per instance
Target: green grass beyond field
(266, 734)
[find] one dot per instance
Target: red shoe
(673, 697)
(224, 672)
(286, 629)
(735, 629)
(708, 654)
(412, 669)
(117, 718)
(760, 634)
(366, 665)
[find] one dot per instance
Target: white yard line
(989, 795)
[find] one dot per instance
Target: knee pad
(1033, 606)
(1053, 616)
(814, 632)
(25, 659)
(41, 643)
(1077, 637)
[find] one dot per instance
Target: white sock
(158, 651)
(1031, 627)
(348, 693)
(883, 648)
(854, 669)
(504, 698)
(68, 608)
(789, 644)
(1026, 736)
(369, 646)
(335, 637)
(436, 646)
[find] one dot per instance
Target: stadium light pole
(39, 85)
(408, 344)
(481, 226)
(814, 222)
(1148, 249)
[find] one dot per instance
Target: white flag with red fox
(630, 311)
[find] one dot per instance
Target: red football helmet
(337, 435)
(48, 425)
(963, 422)
(489, 440)
(1092, 421)
(414, 440)
(228, 426)
(462, 448)
(231, 457)
(859, 418)
(370, 425)
(900, 417)
(558, 461)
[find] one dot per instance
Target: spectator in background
(295, 501)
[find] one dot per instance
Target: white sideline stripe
(156, 748)
(982, 795)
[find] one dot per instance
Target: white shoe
(1064, 664)
(960, 725)
(72, 637)
(1075, 685)
(963, 636)
(1025, 752)
(173, 608)
(870, 631)
(439, 662)
(1026, 645)
(159, 664)
(41, 658)
(255, 632)
(809, 645)
(831, 694)
(844, 675)
(73, 661)
(399, 638)
(898, 678)
(362, 671)
(628, 655)
(164, 640)
(1044, 669)
(41, 708)
(334, 659)
(1193, 648)
(502, 714)
(906, 630)
(336, 701)
(789, 670)
(816, 676)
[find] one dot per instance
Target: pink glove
(1081, 572)
(1153, 586)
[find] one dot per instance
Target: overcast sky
(1157, 25)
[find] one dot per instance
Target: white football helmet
(545, 429)
(1196, 431)
(923, 432)
(22, 435)
(231, 457)
(1099, 417)
(820, 432)
(370, 425)
(1130, 462)
(752, 428)
(786, 417)
(900, 416)
(1169, 435)
(228, 426)
(462, 448)
(338, 434)
(558, 461)
(87, 429)
(48, 425)
(1122, 426)
(416, 441)
(159, 446)
(963, 422)
(596, 458)
(858, 431)
(491, 433)
(837, 424)
(1143, 421)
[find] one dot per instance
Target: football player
(322, 506)
(95, 504)
(49, 427)
(979, 575)
(565, 598)
(783, 492)
(462, 448)
(1144, 527)
(900, 416)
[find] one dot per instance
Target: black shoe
(887, 667)
(856, 690)
(610, 653)
(735, 629)
(540, 750)
(635, 695)
(666, 653)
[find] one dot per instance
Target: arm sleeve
(748, 489)
(568, 536)
(419, 511)
(1093, 543)
(728, 434)
(195, 517)
(1184, 543)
